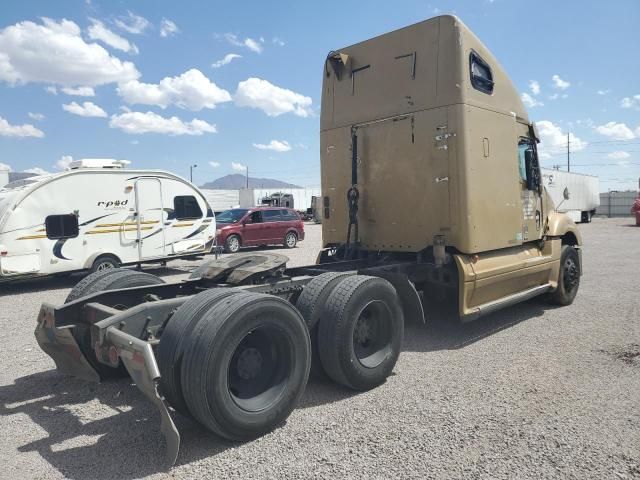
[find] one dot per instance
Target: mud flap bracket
(137, 356)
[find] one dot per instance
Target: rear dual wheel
(244, 362)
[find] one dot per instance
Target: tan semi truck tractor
(431, 185)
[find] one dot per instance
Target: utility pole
(568, 153)
(247, 177)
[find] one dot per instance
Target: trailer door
(149, 218)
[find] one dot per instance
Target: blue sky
(159, 101)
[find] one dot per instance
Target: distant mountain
(237, 181)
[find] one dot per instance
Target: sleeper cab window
(481, 76)
(186, 207)
(61, 226)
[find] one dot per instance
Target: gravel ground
(530, 392)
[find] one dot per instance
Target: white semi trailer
(584, 193)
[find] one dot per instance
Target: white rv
(98, 215)
(584, 193)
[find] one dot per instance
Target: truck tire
(568, 278)
(232, 244)
(87, 282)
(361, 331)
(99, 282)
(171, 349)
(310, 304)
(246, 365)
(105, 262)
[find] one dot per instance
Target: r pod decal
(113, 204)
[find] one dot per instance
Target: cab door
(530, 181)
(149, 218)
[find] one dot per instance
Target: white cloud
(78, 92)
(52, 90)
(168, 28)
(37, 171)
(55, 53)
(616, 131)
(4, 166)
(618, 155)
(36, 116)
(275, 145)
(150, 122)
(228, 58)
(560, 83)
(534, 86)
(214, 164)
(631, 102)
(26, 130)
(132, 23)
(87, 109)
(191, 90)
(603, 92)
(272, 100)
(239, 167)
(278, 41)
(250, 43)
(64, 162)
(553, 139)
(97, 31)
(529, 101)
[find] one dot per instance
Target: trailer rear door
(150, 218)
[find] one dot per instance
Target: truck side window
(481, 76)
(186, 207)
(523, 145)
(61, 226)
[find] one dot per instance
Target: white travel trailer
(584, 193)
(98, 215)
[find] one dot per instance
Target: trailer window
(481, 76)
(61, 226)
(186, 208)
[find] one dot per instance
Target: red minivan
(250, 227)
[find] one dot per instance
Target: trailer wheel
(290, 240)
(360, 332)
(98, 282)
(171, 349)
(569, 277)
(311, 303)
(246, 365)
(105, 262)
(232, 244)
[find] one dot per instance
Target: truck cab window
(61, 226)
(523, 145)
(481, 76)
(186, 207)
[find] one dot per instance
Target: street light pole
(191, 167)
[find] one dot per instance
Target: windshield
(231, 216)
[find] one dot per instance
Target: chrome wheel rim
(291, 240)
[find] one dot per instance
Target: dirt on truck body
(423, 116)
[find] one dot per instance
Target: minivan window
(61, 226)
(271, 215)
(231, 216)
(481, 76)
(288, 215)
(186, 207)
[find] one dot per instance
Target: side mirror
(530, 167)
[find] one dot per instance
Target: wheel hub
(362, 331)
(249, 363)
(571, 274)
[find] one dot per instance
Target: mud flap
(60, 345)
(137, 356)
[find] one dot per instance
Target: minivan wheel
(290, 240)
(105, 262)
(232, 244)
